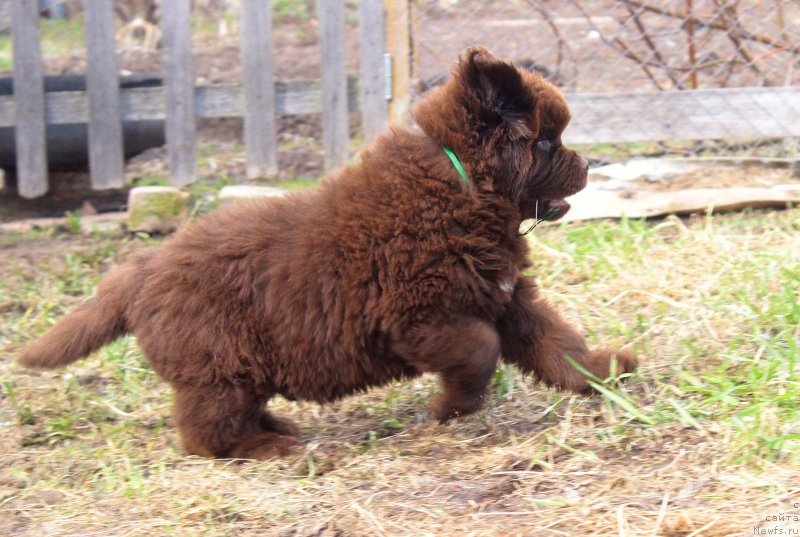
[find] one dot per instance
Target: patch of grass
(732, 300)
(704, 435)
(58, 36)
(204, 194)
(152, 180)
(297, 184)
(6, 51)
(298, 141)
(62, 35)
(74, 221)
(293, 9)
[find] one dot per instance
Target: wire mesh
(618, 46)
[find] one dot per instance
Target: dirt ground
(700, 442)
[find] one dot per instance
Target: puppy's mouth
(551, 210)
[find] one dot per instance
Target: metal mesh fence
(627, 46)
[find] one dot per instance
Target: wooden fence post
(334, 82)
(372, 30)
(259, 89)
(399, 18)
(106, 162)
(180, 127)
(30, 130)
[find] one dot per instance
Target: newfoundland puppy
(406, 262)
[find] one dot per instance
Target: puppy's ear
(499, 89)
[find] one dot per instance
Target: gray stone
(160, 209)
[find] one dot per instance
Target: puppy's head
(507, 124)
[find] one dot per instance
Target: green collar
(457, 165)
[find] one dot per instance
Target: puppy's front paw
(601, 362)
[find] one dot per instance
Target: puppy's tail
(95, 323)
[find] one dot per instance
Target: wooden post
(106, 162)
(399, 17)
(29, 121)
(372, 28)
(259, 89)
(180, 127)
(334, 82)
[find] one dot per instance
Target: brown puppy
(393, 267)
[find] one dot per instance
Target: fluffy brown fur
(393, 267)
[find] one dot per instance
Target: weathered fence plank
(372, 28)
(334, 82)
(399, 16)
(106, 163)
(29, 100)
(296, 97)
(179, 75)
(259, 89)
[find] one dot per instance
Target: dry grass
(703, 440)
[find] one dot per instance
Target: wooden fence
(257, 100)
(736, 113)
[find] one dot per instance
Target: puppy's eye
(544, 145)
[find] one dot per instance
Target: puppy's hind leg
(229, 420)
(464, 352)
(283, 426)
